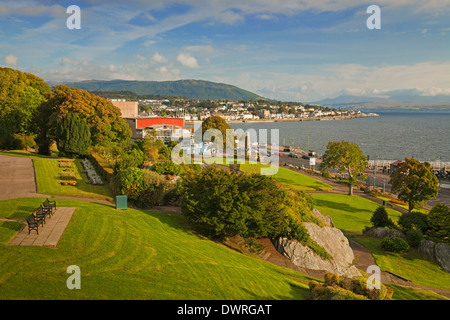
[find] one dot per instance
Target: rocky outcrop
(442, 253)
(384, 232)
(326, 219)
(332, 240)
(439, 252)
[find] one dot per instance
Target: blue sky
(302, 50)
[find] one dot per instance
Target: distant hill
(405, 100)
(193, 89)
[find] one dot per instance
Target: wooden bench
(32, 224)
(49, 205)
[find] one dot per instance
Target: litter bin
(121, 202)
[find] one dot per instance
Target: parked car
(293, 155)
(305, 157)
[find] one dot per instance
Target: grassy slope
(135, 254)
(288, 178)
(48, 182)
(411, 265)
(351, 213)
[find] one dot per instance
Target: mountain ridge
(189, 88)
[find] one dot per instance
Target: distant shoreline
(306, 119)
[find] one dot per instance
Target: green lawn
(48, 181)
(350, 213)
(134, 254)
(24, 153)
(411, 265)
(290, 179)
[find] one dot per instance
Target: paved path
(16, 176)
(49, 234)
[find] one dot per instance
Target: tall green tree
(438, 220)
(414, 183)
(20, 96)
(346, 157)
(73, 136)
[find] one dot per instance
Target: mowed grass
(290, 179)
(411, 265)
(350, 213)
(48, 181)
(135, 254)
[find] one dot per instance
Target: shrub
(413, 220)
(167, 167)
(332, 279)
(394, 244)
(132, 158)
(414, 237)
(154, 188)
(438, 221)
(130, 182)
(380, 218)
(337, 288)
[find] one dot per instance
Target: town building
(166, 129)
(128, 109)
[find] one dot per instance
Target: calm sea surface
(391, 136)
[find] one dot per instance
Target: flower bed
(398, 202)
(93, 177)
(65, 163)
(69, 183)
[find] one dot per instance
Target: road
(381, 179)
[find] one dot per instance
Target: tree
(103, 118)
(380, 218)
(72, 135)
(414, 183)
(249, 205)
(215, 122)
(20, 96)
(438, 220)
(347, 158)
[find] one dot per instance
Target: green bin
(121, 202)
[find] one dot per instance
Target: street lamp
(375, 171)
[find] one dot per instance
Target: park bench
(40, 214)
(49, 205)
(32, 224)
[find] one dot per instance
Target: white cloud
(187, 60)
(11, 60)
(159, 58)
(201, 49)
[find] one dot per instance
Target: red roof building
(166, 128)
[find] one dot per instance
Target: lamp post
(375, 172)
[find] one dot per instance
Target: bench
(32, 224)
(49, 205)
(40, 214)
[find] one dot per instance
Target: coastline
(307, 119)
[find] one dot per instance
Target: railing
(436, 165)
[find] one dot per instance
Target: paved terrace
(49, 234)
